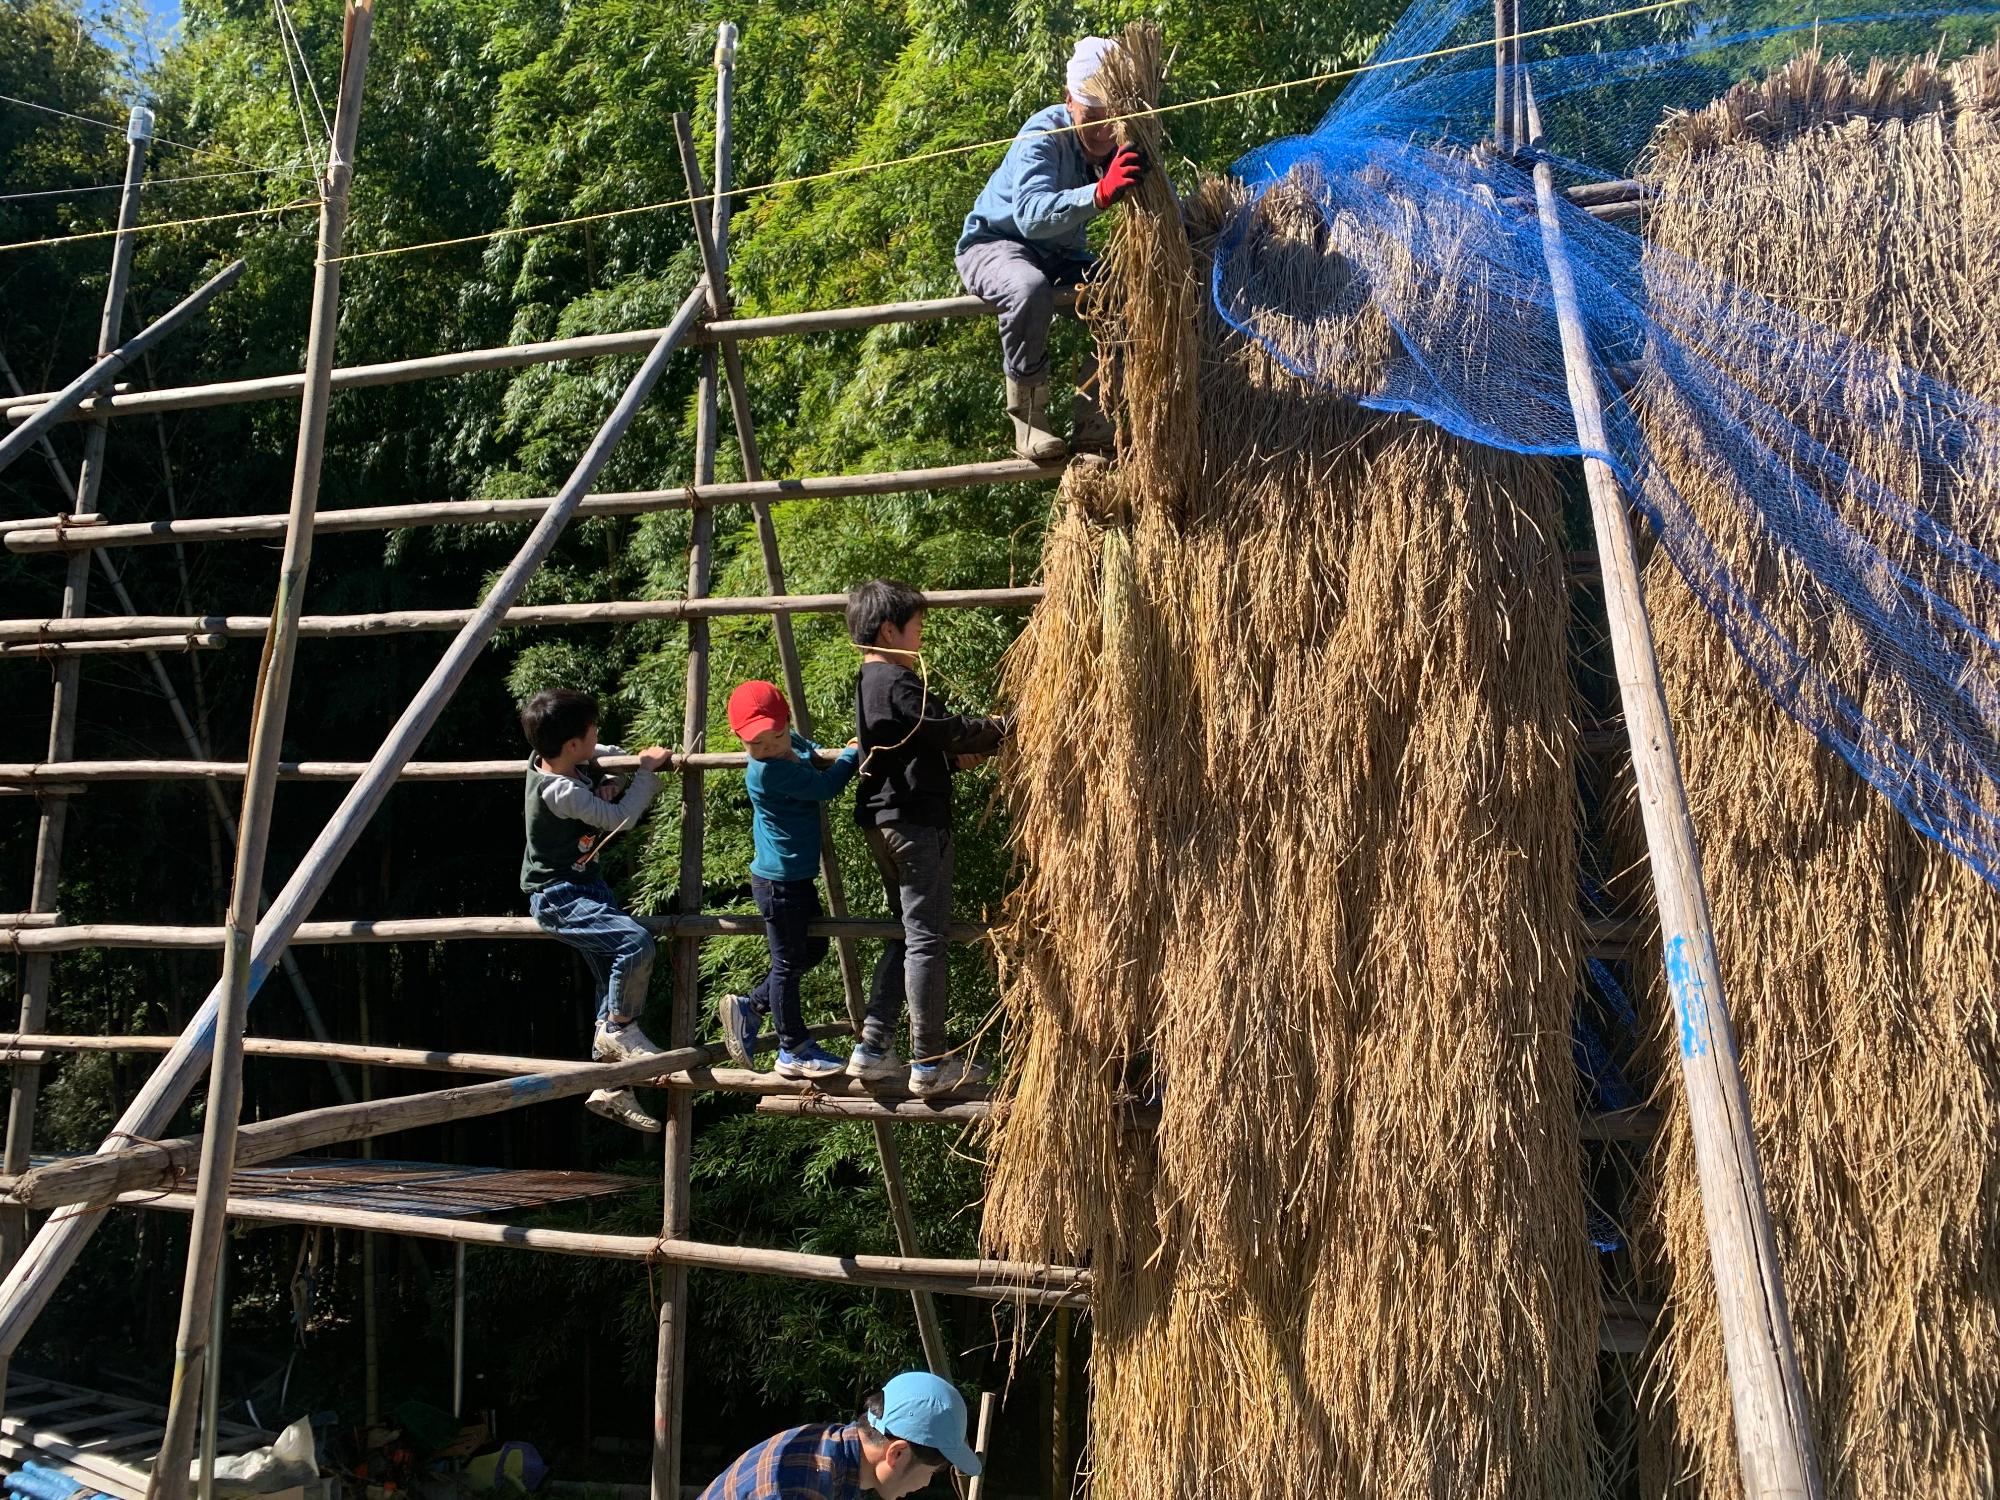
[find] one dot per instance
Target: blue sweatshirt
(1043, 193)
(785, 795)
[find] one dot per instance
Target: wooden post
(169, 1477)
(714, 245)
(1062, 1475)
(53, 824)
(28, 1287)
(977, 1489)
(676, 1198)
(1774, 1438)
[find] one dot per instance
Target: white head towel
(1084, 62)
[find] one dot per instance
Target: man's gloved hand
(1121, 176)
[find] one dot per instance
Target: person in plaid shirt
(907, 1431)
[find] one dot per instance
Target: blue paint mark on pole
(533, 1083)
(1690, 997)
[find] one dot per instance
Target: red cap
(757, 707)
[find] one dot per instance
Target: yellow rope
(860, 169)
(105, 234)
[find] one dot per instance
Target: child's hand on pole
(654, 758)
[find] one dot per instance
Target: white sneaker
(945, 1075)
(617, 1043)
(865, 1063)
(622, 1105)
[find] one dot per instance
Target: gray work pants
(1022, 283)
(915, 865)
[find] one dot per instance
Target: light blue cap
(920, 1408)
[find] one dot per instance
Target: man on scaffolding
(1025, 237)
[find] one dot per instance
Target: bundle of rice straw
(1293, 800)
(1860, 960)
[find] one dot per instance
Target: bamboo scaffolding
(513, 357)
(1774, 1433)
(992, 1280)
(401, 622)
(33, 1280)
(27, 774)
(713, 245)
(52, 826)
(223, 823)
(50, 535)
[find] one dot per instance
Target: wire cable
(158, 140)
(154, 182)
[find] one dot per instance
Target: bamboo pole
(152, 645)
(65, 401)
(400, 622)
(430, 930)
(32, 1282)
(880, 1112)
(1605, 937)
(29, 918)
(1774, 1437)
(993, 1280)
(51, 535)
(714, 246)
(29, 773)
(52, 826)
(976, 1490)
(514, 357)
(169, 1477)
(677, 1157)
(368, 1055)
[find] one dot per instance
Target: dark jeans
(915, 864)
(587, 916)
(788, 907)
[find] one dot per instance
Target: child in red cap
(786, 787)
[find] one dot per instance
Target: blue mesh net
(1872, 607)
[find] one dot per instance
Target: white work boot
(1028, 405)
(621, 1105)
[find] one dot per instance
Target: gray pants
(915, 864)
(1022, 284)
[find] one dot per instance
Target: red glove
(1120, 177)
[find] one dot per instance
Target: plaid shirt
(821, 1462)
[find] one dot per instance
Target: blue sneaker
(811, 1061)
(739, 1027)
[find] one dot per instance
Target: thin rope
(158, 140)
(292, 76)
(860, 169)
(105, 234)
(154, 182)
(291, 28)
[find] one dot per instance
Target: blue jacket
(1042, 194)
(785, 795)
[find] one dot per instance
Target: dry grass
(1293, 799)
(1862, 962)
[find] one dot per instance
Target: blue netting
(1874, 608)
